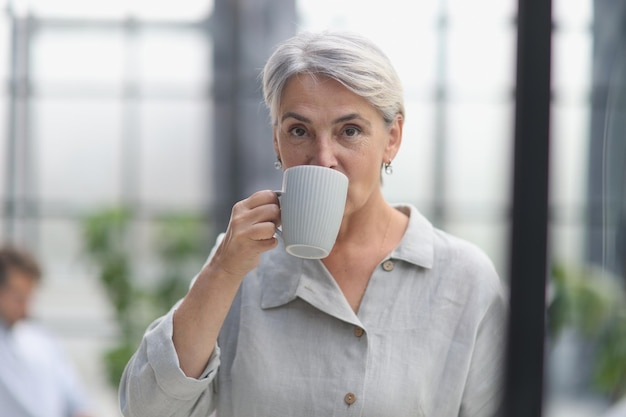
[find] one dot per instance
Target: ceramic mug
(312, 203)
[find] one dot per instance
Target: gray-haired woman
(401, 319)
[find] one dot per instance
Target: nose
(324, 152)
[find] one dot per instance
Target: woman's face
(320, 122)
(16, 294)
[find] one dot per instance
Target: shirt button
(358, 332)
(350, 398)
(388, 265)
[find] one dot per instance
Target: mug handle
(279, 194)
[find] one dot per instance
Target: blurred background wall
(131, 127)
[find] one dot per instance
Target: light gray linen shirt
(427, 341)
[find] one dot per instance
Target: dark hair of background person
(14, 258)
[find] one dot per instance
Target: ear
(394, 138)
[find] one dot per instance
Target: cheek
(14, 302)
(364, 181)
(292, 155)
(4, 300)
(365, 174)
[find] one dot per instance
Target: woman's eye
(297, 131)
(351, 131)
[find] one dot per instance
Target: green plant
(178, 247)
(106, 243)
(611, 360)
(593, 302)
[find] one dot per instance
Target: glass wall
(103, 106)
(109, 105)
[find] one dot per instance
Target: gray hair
(351, 59)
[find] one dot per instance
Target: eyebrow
(347, 117)
(294, 116)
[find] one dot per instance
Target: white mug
(312, 204)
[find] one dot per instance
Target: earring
(277, 164)
(388, 168)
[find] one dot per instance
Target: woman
(400, 319)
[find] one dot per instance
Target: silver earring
(388, 168)
(278, 165)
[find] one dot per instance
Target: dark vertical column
(225, 26)
(528, 265)
(244, 33)
(20, 184)
(12, 142)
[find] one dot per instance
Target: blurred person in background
(36, 378)
(401, 319)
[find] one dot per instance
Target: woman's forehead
(308, 90)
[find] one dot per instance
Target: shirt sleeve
(154, 384)
(485, 383)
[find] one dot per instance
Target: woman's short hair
(349, 58)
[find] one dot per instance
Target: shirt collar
(418, 243)
(279, 274)
(285, 277)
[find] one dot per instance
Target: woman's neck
(374, 231)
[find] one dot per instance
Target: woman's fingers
(250, 232)
(262, 231)
(258, 209)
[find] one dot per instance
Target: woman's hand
(250, 232)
